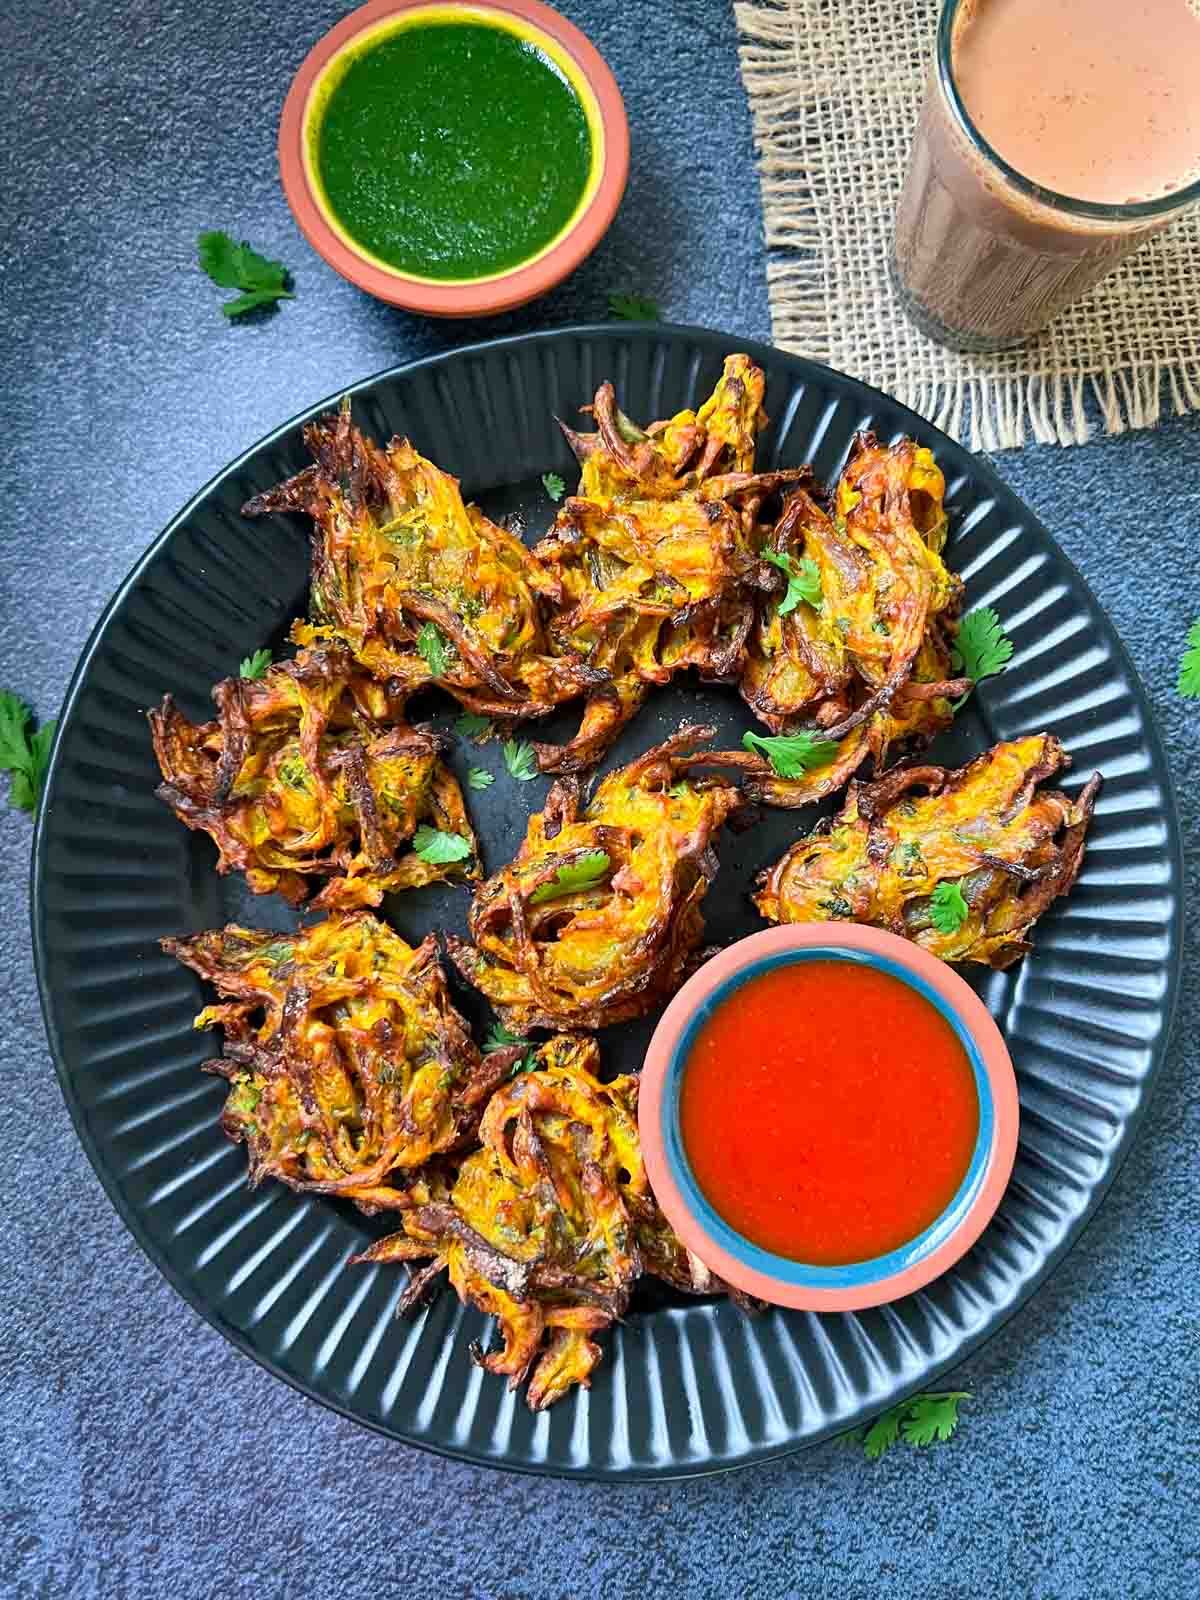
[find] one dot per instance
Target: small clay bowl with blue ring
(779, 1279)
(539, 27)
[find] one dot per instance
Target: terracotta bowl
(465, 297)
(779, 1279)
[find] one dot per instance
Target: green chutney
(452, 150)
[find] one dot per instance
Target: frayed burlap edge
(792, 70)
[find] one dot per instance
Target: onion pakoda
(550, 1223)
(857, 654)
(306, 774)
(348, 1066)
(965, 868)
(598, 919)
(420, 587)
(654, 553)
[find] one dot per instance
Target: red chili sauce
(829, 1111)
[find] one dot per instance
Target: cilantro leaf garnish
(520, 759)
(236, 266)
(472, 726)
(553, 485)
(932, 1417)
(431, 647)
(948, 909)
(24, 755)
(632, 307)
(1189, 665)
(255, 666)
(981, 649)
(439, 848)
(804, 580)
(499, 1038)
(573, 876)
(525, 1063)
(479, 778)
(883, 1433)
(922, 1420)
(792, 754)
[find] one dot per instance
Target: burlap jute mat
(834, 89)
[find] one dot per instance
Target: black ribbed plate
(685, 1387)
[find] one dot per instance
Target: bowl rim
(745, 1265)
(467, 298)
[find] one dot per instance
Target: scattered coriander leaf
(804, 580)
(218, 255)
(590, 870)
(24, 755)
(431, 647)
(479, 778)
(15, 717)
(981, 649)
(499, 1038)
(883, 1433)
(525, 1063)
(632, 307)
(439, 848)
(948, 909)
(520, 759)
(472, 726)
(1189, 665)
(22, 795)
(553, 485)
(255, 666)
(252, 299)
(236, 266)
(932, 1417)
(792, 754)
(39, 747)
(922, 1420)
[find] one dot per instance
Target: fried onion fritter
(420, 587)
(870, 666)
(550, 1223)
(653, 555)
(348, 1065)
(1011, 848)
(598, 918)
(306, 774)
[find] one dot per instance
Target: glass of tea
(1056, 135)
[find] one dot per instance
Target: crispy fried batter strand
(653, 555)
(551, 1222)
(550, 954)
(869, 666)
(1011, 848)
(420, 587)
(307, 774)
(348, 1066)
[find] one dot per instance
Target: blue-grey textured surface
(141, 1455)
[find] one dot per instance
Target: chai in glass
(1056, 135)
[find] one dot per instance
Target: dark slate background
(142, 1456)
